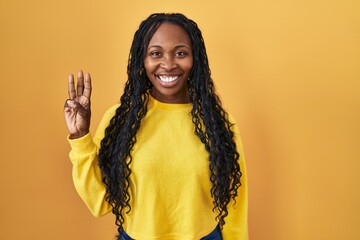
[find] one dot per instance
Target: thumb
(80, 110)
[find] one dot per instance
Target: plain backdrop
(289, 71)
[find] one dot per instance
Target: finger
(80, 83)
(68, 108)
(70, 103)
(71, 106)
(68, 111)
(88, 87)
(80, 109)
(71, 87)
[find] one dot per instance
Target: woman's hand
(77, 107)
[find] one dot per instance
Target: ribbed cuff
(83, 144)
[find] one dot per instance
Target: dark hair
(211, 122)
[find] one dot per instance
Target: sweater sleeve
(236, 226)
(87, 176)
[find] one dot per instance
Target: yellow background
(289, 71)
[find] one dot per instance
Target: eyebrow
(176, 47)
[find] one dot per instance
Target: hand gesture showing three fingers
(77, 107)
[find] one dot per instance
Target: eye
(155, 54)
(181, 54)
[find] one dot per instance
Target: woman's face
(168, 62)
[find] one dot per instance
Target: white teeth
(168, 78)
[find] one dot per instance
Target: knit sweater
(170, 180)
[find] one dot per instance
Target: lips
(168, 80)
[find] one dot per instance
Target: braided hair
(210, 120)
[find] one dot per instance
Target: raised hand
(77, 107)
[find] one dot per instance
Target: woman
(167, 160)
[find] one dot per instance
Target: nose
(168, 63)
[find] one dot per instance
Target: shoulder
(235, 129)
(232, 121)
(108, 115)
(231, 118)
(104, 123)
(110, 112)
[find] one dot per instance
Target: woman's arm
(87, 176)
(236, 223)
(86, 173)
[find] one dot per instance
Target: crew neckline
(168, 106)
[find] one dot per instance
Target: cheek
(146, 65)
(149, 66)
(188, 66)
(149, 70)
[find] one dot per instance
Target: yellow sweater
(170, 186)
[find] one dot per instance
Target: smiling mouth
(168, 79)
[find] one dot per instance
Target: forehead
(170, 34)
